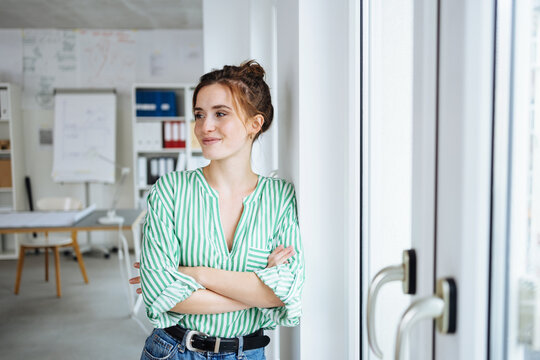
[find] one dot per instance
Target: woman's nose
(207, 125)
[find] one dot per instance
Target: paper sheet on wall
(107, 58)
(11, 50)
(169, 55)
(49, 62)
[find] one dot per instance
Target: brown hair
(246, 83)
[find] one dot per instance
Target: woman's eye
(220, 114)
(198, 116)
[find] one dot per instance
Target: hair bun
(252, 68)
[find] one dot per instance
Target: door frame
(464, 169)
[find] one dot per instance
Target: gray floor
(89, 321)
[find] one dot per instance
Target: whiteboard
(84, 136)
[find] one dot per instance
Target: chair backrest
(59, 203)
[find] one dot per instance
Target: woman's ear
(256, 124)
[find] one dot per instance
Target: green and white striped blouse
(183, 228)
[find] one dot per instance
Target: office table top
(87, 223)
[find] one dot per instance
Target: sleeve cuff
(172, 294)
(287, 288)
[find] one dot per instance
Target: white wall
(314, 80)
(236, 31)
(323, 174)
(288, 133)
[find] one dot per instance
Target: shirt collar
(248, 199)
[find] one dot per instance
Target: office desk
(133, 219)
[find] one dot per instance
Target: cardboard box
(4, 144)
(5, 173)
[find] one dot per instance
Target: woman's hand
(280, 256)
(136, 279)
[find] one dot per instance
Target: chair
(52, 243)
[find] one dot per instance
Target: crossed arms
(227, 291)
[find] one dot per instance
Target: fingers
(137, 279)
(280, 255)
(284, 255)
(277, 250)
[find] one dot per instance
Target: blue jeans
(160, 346)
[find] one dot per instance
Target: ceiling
(101, 14)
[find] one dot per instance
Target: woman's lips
(210, 141)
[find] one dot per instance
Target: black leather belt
(197, 341)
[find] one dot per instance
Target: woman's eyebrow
(221, 106)
(213, 107)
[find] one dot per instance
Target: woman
(221, 256)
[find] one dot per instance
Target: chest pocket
(256, 259)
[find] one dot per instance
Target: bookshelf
(163, 138)
(12, 193)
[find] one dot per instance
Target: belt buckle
(189, 337)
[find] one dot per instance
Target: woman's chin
(212, 155)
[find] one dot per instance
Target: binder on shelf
(4, 105)
(148, 136)
(153, 170)
(181, 162)
(169, 165)
(174, 134)
(155, 102)
(142, 172)
(162, 167)
(155, 167)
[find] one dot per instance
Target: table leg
(57, 268)
(46, 264)
(79, 256)
(19, 269)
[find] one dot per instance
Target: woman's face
(218, 127)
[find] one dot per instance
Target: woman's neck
(229, 177)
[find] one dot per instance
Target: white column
(235, 31)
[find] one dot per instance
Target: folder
(148, 136)
(181, 162)
(172, 135)
(142, 172)
(162, 167)
(169, 165)
(155, 103)
(153, 170)
(4, 105)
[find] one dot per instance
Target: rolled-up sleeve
(287, 280)
(163, 286)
